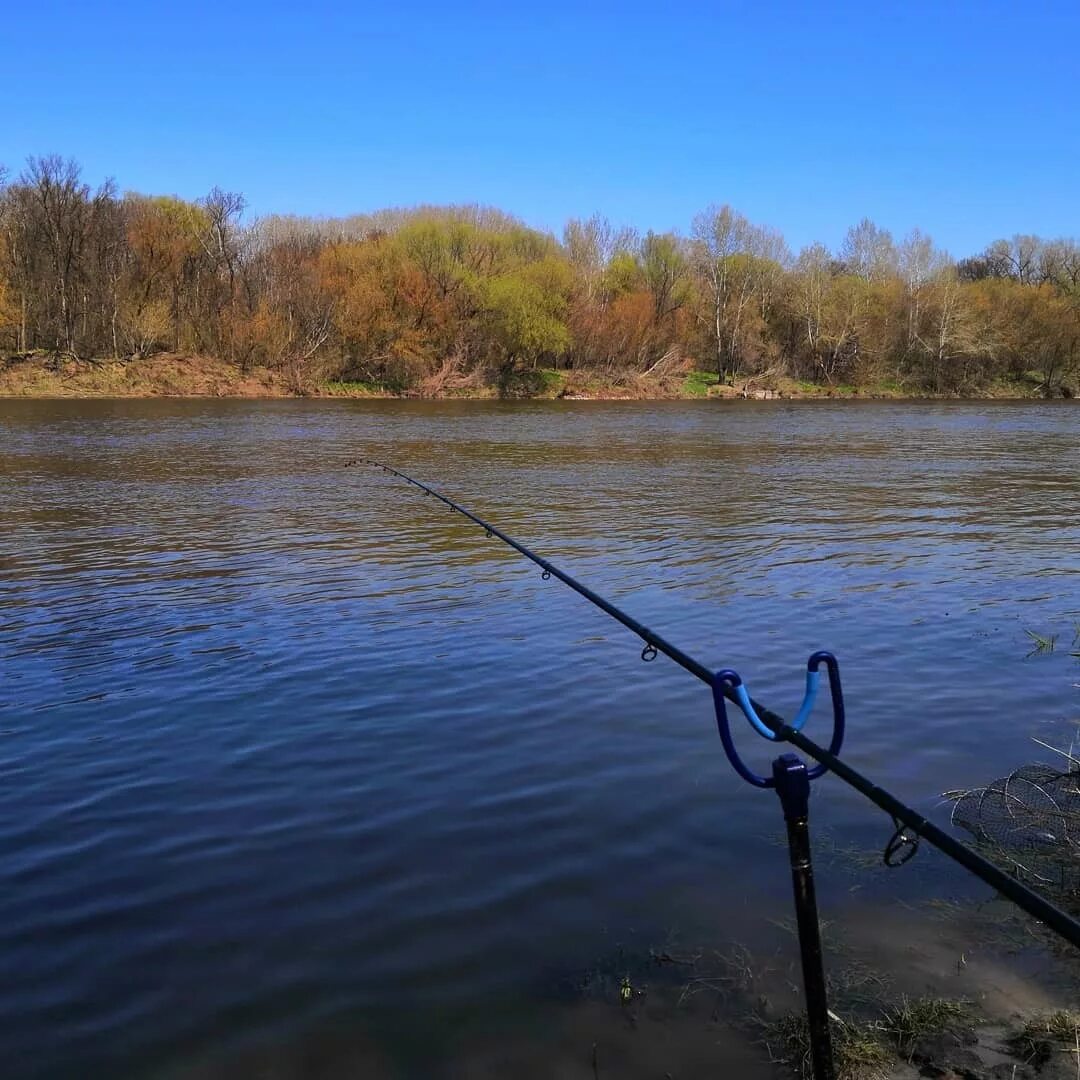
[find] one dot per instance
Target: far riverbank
(41, 375)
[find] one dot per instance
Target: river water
(302, 775)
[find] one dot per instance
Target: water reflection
(286, 748)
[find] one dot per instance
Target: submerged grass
(1043, 644)
(876, 1033)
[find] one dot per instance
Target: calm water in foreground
(301, 775)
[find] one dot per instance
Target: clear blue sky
(960, 117)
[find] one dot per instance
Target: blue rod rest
(731, 680)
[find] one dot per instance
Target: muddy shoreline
(173, 375)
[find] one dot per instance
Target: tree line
(432, 299)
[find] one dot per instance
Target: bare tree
(740, 264)
(919, 263)
(589, 246)
(868, 251)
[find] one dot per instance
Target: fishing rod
(791, 780)
(727, 686)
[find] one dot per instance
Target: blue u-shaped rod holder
(731, 680)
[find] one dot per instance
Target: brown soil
(160, 375)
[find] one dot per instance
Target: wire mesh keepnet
(1030, 821)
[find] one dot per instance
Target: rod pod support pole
(793, 787)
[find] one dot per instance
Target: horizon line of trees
(430, 298)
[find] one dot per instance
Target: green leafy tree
(526, 312)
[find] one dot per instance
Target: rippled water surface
(297, 763)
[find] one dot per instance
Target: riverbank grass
(697, 384)
(1045, 1037)
(859, 1049)
(356, 388)
(910, 1021)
